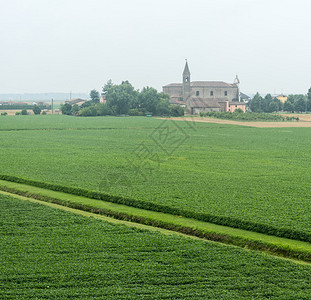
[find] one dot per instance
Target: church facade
(204, 96)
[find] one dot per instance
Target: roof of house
(75, 101)
(175, 100)
(244, 96)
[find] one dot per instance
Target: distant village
(187, 97)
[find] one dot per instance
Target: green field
(253, 178)
(51, 254)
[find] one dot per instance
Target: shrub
(36, 110)
(135, 112)
(24, 112)
(249, 116)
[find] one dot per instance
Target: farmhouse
(77, 101)
(205, 96)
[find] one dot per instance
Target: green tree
(121, 97)
(66, 109)
(74, 109)
(309, 100)
(107, 86)
(36, 110)
(300, 105)
(94, 95)
(291, 98)
(257, 103)
(24, 112)
(149, 99)
(288, 106)
(273, 106)
(90, 111)
(176, 110)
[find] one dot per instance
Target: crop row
(47, 253)
(236, 223)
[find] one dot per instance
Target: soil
(304, 121)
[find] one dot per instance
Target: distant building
(77, 101)
(244, 97)
(205, 96)
(102, 99)
(282, 98)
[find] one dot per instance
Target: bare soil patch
(304, 121)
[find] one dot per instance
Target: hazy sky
(77, 45)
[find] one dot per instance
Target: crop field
(252, 178)
(52, 254)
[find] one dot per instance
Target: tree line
(124, 99)
(294, 103)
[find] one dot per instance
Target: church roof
(174, 84)
(186, 69)
(211, 84)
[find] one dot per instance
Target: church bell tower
(186, 82)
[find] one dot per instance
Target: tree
(176, 110)
(273, 106)
(149, 99)
(309, 100)
(256, 103)
(66, 109)
(88, 111)
(36, 110)
(94, 95)
(74, 109)
(107, 86)
(288, 106)
(24, 112)
(120, 97)
(291, 99)
(300, 105)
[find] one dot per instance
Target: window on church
(212, 93)
(226, 93)
(197, 93)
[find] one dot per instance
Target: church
(204, 96)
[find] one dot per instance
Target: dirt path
(305, 121)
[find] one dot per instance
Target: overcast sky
(77, 45)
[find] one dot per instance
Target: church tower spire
(186, 82)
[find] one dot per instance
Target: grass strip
(275, 245)
(145, 205)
